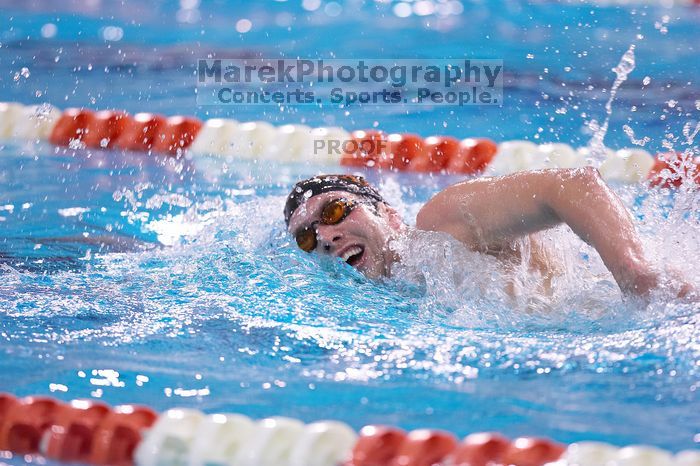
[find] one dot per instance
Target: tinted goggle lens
(306, 239)
(333, 213)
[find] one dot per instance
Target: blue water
(135, 278)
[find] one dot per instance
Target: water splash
(630, 134)
(690, 133)
(622, 70)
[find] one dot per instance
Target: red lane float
(25, 422)
(176, 135)
(480, 449)
(7, 403)
(375, 149)
(438, 151)
(671, 169)
(91, 432)
(72, 433)
(377, 446)
(119, 433)
(107, 129)
(139, 132)
(473, 157)
(528, 451)
(403, 148)
(71, 126)
(365, 149)
(424, 448)
(82, 431)
(371, 148)
(104, 128)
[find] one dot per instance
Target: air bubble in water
(646, 80)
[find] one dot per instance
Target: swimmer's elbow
(574, 183)
(426, 220)
(584, 175)
(589, 174)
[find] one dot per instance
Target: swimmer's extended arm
(490, 211)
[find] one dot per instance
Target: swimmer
(344, 216)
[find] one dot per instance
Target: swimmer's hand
(638, 279)
(643, 280)
(681, 287)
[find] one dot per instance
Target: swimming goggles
(332, 214)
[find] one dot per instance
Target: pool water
(133, 278)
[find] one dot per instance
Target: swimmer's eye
(332, 214)
(306, 239)
(335, 211)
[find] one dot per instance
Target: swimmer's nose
(327, 236)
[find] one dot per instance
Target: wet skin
(368, 228)
(488, 215)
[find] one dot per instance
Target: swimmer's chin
(378, 269)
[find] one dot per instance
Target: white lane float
(259, 140)
(215, 137)
(603, 454)
(230, 138)
(297, 143)
(594, 159)
(560, 155)
(687, 458)
(331, 141)
(517, 156)
(627, 165)
(219, 439)
(512, 157)
(188, 437)
(324, 443)
(169, 441)
(31, 122)
(271, 444)
(642, 455)
(291, 143)
(589, 454)
(251, 140)
(10, 114)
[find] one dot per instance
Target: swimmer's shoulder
(448, 211)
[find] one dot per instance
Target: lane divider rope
(259, 140)
(91, 432)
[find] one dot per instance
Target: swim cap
(305, 189)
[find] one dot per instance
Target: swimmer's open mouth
(353, 255)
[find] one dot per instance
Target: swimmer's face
(361, 239)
